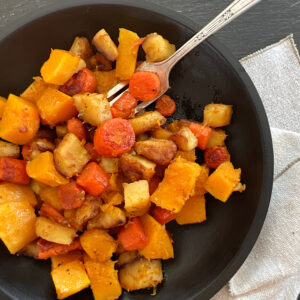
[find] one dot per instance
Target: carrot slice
(162, 215)
(82, 82)
(93, 153)
(215, 156)
(165, 105)
(93, 179)
(76, 126)
(70, 195)
(13, 170)
(202, 133)
(114, 137)
(144, 85)
(125, 102)
(47, 249)
(53, 214)
(132, 236)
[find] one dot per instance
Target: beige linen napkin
(272, 270)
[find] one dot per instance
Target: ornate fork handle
(232, 11)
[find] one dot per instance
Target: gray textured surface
(264, 24)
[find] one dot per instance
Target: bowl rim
(265, 134)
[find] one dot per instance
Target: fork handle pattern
(232, 11)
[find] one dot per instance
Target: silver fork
(163, 68)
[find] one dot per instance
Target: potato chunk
(157, 48)
(147, 121)
(70, 156)
(9, 150)
(136, 167)
(109, 217)
(69, 279)
(93, 108)
(185, 139)
(161, 133)
(104, 279)
(193, 211)
(127, 257)
(54, 232)
(217, 115)
(137, 197)
(98, 244)
(222, 182)
(157, 150)
(82, 48)
(17, 225)
(177, 185)
(105, 45)
(188, 155)
(217, 138)
(109, 164)
(141, 274)
(160, 244)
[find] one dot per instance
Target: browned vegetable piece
(109, 217)
(9, 150)
(99, 62)
(147, 121)
(136, 167)
(141, 274)
(188, 155)
(127, 257)
(109, 164)
(112, 197)
(158, 150)
(161, 133)
(105, 45)
(185, 139)
(36, 147)
(216, 138)
(70, 156)
(30, 250)
(82, 48)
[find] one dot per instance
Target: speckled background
(266, 23)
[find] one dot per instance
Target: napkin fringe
(290, 37)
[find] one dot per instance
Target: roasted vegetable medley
(90, 185)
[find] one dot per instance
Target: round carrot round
(76, 126)
(144, 85)
(114, 137)
(125, 102)
(82, 82)
(124, 114)
(165, 105)
(215, 156)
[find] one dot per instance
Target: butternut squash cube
(55, 107)
(137, 197)
(104, 279)
(106, 80)
(126, 61)
(177, 185)
(35, 90)
(98, 244)
(217, 115)
(2, 105)
(20, 121)
(42, 168)
(193, 211)
(200, 181)
(222, 181)
(160, 244)
(50, 195)
(59, 260)
(54, 232)
(17, 225)
(60, 66)
(69, 279)
(10, 192)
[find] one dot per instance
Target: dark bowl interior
(208, 254)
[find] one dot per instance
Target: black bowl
(208, 254)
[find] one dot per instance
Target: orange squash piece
(222, 181)
(200, 181)
(160, 244)
(2, 105)
(98, 244)
(104, 279)
(55, 107)
(59, 260)
(50, 195)
(42, 169)
(17, 225)
(61, 66)
(177, 185)
(11, 192)
(20, 121)
(193, 211)
(69, 279)
(34, 90)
